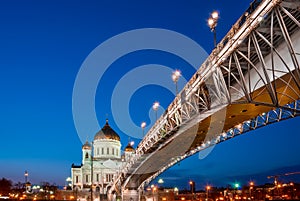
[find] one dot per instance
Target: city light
(160, 181)
(155, 108)
(175, 77)
(155, 105)
(212, 23)
(143, 125)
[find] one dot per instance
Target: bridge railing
(239, 31)
(199, 77)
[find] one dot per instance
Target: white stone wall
(106, 148)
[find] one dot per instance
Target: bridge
(251, 79)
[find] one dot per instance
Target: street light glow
(176, 75)
(155, 105)
(212, 23)
(143, 125)
(213, 20)
(215, 15)
(160, 181)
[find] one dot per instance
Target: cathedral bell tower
(86, 153)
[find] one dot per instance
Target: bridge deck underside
(221, 121)
(278, 29)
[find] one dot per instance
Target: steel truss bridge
(251, 79)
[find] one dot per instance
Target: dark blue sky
(42, 47)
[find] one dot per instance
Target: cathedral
(102, 160)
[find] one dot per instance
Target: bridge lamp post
(155, 108)
(212, 23)
(143, 125)
(175, 77)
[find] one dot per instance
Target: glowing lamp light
(155, 106)
(143, 124)
(176, 75)
(210, 22)
(215, 15)
(160, 181)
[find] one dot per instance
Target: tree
(5, 186)
(18, 187)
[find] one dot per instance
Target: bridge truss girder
(246, 76)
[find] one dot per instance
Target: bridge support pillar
(130, 195)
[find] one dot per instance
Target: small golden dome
(87, 146)
(129, 148)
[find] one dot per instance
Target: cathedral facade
(102, 160)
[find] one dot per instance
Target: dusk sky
(43, 46)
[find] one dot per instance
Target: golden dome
(87, 145)
(129, 148)
(107, 133)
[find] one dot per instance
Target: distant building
(102, 160)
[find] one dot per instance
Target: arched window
(86, 155)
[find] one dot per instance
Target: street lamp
(176, 190)
(143, 125)
(160, 181)
(68, 182)
(192, 184)
(212, 23)
(154, 188)
(175, 76)
(251, 188)
(155, 108)
(236, 187)
(207, 191)
(26, 176)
